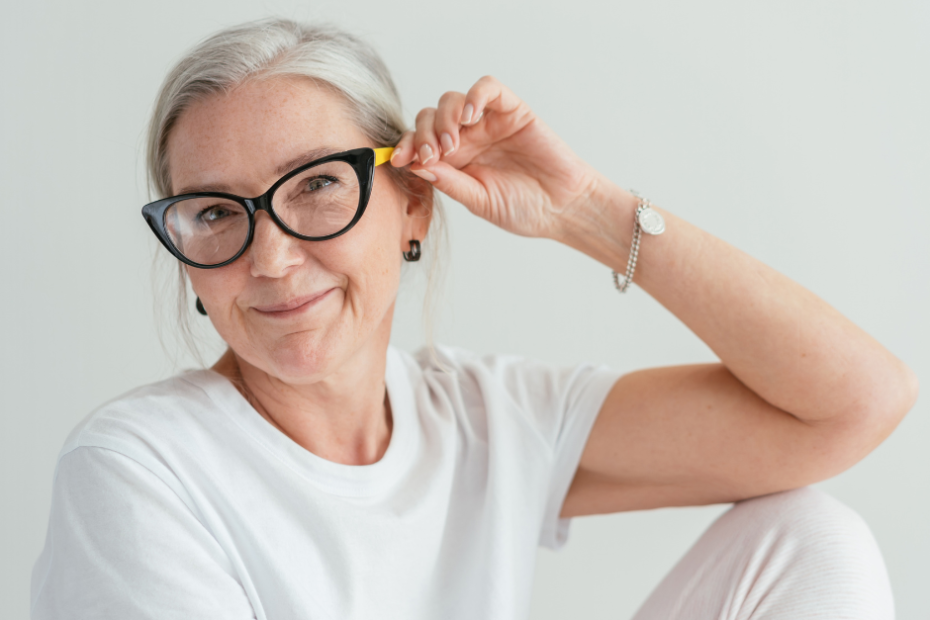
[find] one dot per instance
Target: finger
(461, 186)
(488, 94)
(426, 141)
(447, 122)
(404, 151)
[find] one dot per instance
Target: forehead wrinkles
(246, 134)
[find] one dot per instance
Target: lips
(294, 305)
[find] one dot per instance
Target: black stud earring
(200, 307)
(414, 254)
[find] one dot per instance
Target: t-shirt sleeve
(567, 414)
(562, 404)
(584, 390)
(122, 544)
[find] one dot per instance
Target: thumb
(456, 184)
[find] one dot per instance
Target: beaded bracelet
(648, 220)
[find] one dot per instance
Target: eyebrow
(306, 158)
(300, 160)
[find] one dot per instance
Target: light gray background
(796, 130)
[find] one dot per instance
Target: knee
(795, 555)
(804, 519)
(810, 544)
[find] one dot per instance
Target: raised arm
(800, 394)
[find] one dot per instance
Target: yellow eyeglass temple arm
(383, 155)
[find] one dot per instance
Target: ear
(417, 215)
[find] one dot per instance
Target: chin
(306, 351)
(301, 350)
(303, 357)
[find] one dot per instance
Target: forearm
(783, 342)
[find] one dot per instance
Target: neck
(344, 417)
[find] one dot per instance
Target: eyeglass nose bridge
(259, 203)
(263, 203)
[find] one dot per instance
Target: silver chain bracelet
(646, 220)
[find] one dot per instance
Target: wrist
(601, 225)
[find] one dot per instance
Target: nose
(272, 251)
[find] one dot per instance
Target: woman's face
(298, 310)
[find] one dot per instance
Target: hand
(487, 150)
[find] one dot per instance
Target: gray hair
(283, 48)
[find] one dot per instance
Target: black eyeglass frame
(362, 161)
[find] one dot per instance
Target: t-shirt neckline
(336, 478)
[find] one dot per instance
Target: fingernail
(425, 174)
(394, 155)
(466, 113)
(478, 118)
(447, 145)
(426, 153)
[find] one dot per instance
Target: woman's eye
(213, 214)
(317, 183)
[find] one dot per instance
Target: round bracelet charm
(651, 221)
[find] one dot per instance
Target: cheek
(370, 256)
(218, 289)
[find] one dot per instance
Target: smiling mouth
(293, 306)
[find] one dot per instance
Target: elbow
(875, 415)
(907, 392)
(890, 399)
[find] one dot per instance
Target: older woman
(317, 472)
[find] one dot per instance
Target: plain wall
(796, 130)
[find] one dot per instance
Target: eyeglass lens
(317, 202)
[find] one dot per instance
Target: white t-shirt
(178, 500)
